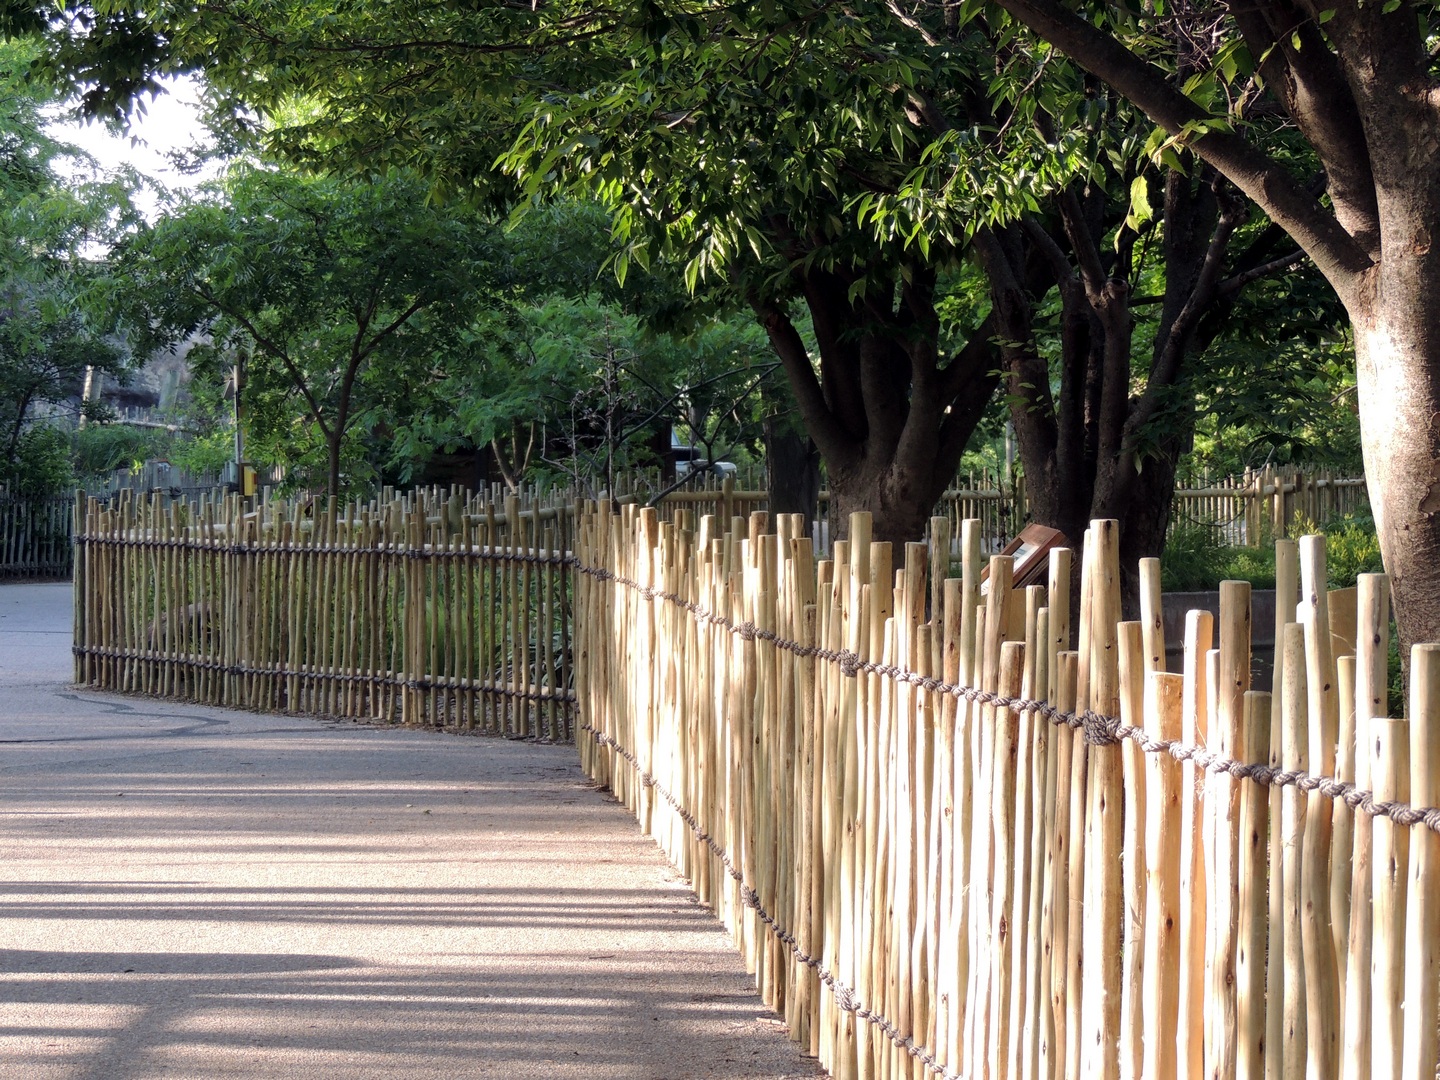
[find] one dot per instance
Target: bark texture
(794, 470)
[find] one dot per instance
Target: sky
(170, 123)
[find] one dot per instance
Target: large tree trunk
(897, 494)
(890, 419)
(1397, 347)
(1361, 92)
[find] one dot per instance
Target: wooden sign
(1031, 552)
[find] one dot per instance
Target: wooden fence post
(1422, 910)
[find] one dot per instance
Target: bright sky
(170, 123)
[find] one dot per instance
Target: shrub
(41, 465)
(1196, 559)
(100, 449)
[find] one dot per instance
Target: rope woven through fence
(264, 547)
(846, 998)
(1098, 729)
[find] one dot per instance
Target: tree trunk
(898, 497)
(890, 419)
(1397, 352)
(332, 448)
(794, 471)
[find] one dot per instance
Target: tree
(1113, 300)
(335, 292)
(732, 140)
(1358, 82)
(849, 160)
(48, 335)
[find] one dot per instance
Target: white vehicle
(691, 459)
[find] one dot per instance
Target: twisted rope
(290, 547)
(1097, 728)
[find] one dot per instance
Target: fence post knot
(849, 663)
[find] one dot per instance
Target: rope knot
(849, 663)
(746, 630)
(1099, 730)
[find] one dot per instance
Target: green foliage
(206, 453)
(100, 449)
(1351, 547)
(1197, 559)
(333, 297)
(39, 466)
(48, 334)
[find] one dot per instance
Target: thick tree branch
(824, 427)
(1084, 243)
(1312, 89)
(1337, 254)
(840, 367)
(976, 355)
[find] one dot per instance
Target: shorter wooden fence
(34, 536)
(433, 607)
(1245, 509)
(949, 845)
(1253, 507)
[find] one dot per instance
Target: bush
(100, 449)
(1196, 559)
(41, 465)
(1351, 549)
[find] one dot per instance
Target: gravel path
(194, 892)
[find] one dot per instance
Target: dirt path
(191, 892)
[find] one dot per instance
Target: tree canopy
(333, 294)
(49, 336)
(848, 172)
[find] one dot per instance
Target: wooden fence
(1258, 505)
(948, 844)
(433, 607)
(1246, 509)
(34, 536)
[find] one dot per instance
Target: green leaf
(1140, 208)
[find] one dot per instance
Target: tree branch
(1337, 254)
(1236, 282)
(824, 427)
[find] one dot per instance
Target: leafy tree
(731, 140)
(48, 338)
(1357, 80)
(848, 160)
(326, 295)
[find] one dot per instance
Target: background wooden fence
(432, 607)
(948, 844)
(1246, 509)
(34, 536)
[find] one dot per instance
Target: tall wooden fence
(950, 845)
(434, 607)
(34, 536)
